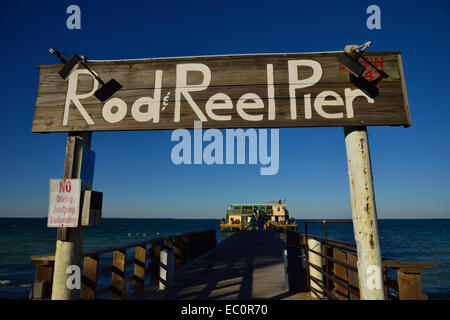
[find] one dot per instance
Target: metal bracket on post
(350, 59)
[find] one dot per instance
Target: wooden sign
(64, 203)
(236, 91)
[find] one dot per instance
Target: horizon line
(141, 218)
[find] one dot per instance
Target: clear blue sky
(134, 169)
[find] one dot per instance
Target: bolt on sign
(234, 91)
(64, 203)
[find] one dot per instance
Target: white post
(364, 214)
(316, 260)
(69, 243)
(166, 269)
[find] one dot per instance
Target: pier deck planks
(247, 265)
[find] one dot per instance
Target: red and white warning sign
(64, 203)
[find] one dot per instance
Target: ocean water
(416, 240)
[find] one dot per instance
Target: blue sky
(134, 169)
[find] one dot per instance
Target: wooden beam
(154, 262)
(177, 248)
(340, 273)
(410, 286)
(353, 275)
(139, 269)
(407, 264)
(409, 278)
(118, 275)
(69, 241)
(89, 279)
(43, 277)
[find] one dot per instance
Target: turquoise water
(419, 240)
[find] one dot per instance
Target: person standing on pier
(260, 223)
(253, 222)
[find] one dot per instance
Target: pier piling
(69, 242)
(364, 214)
(316, 277)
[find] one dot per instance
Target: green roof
(255, 204)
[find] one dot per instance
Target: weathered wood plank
(397, 264)
(410, 286)
(178, 253)
(89, 288)
(153, 266)
(43, 278)
(139, 268)
(118, 276)
(340, 272)
(245, 72)
(353, 279)
(265, 81)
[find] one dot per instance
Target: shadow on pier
(247, 265)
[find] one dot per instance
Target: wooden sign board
(236, 91)
(64, 203)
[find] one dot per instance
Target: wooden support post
(315, 260)
(385, 281)
(178, 253)
(69, 243)
(410, 286)
(154, 263)
(364, 214)
(352, 275)
(340, 272)
(167, 265)
(89, 279)
(139, 269)
(409, 282)
(118, 275)
(292, 238)
(185, 249)
(42, 287)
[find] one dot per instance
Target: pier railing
(141, 266)
(331, 268)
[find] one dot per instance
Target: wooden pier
(247, 265)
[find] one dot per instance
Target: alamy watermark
(374, 277)
(74, 20)
(74, 278)
(374, 20)
(215, 153)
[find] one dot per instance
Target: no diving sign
(64, 203)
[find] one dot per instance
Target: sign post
(69, 243)
(364, 213)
